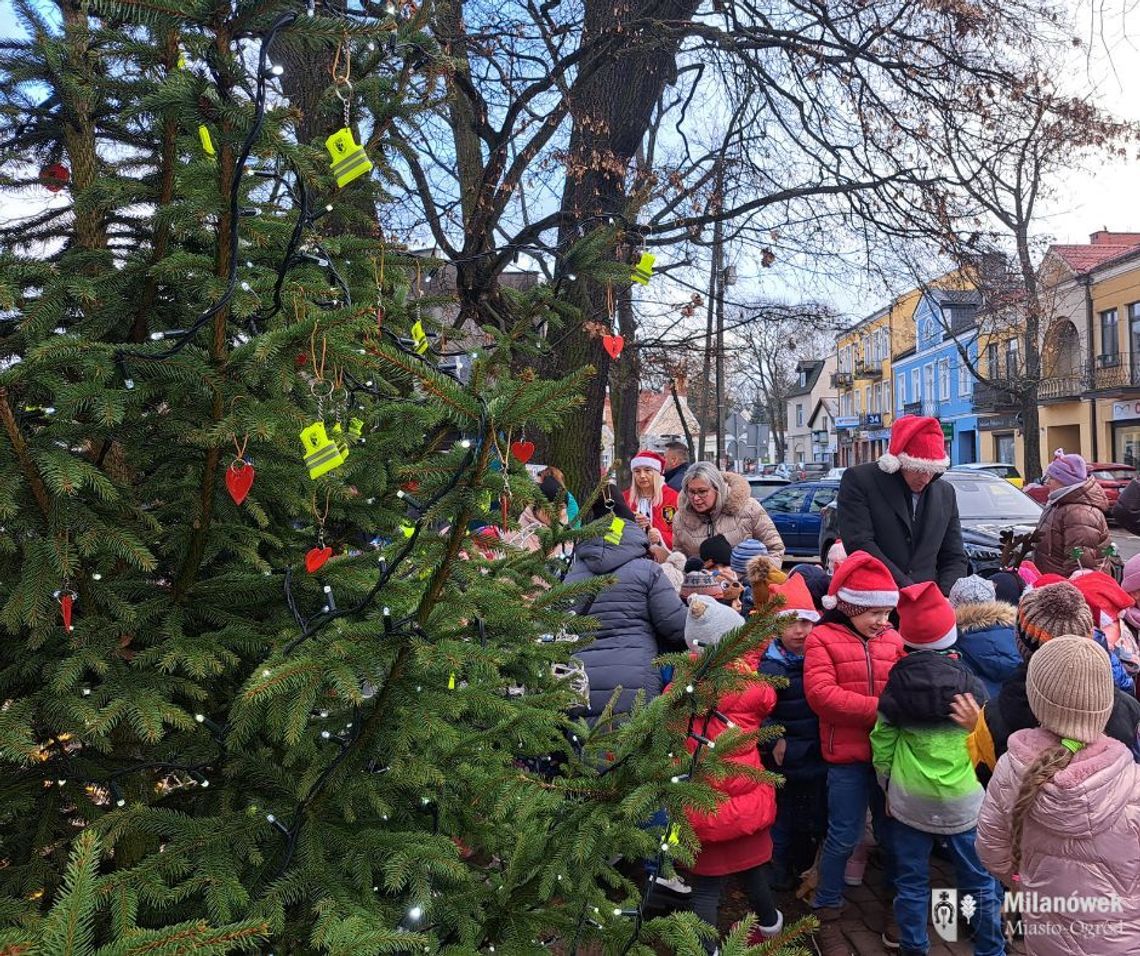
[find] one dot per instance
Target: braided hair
(1047, 765)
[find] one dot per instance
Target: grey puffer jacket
(639, 617)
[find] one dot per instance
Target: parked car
(810, 470)
(1000, 469)
(768, 468)
(835, 474)
(987, 505)
(795, 510)
(1111, 476)
(763, 485)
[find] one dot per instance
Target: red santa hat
(797, 599)
(648, 459)
(1104, 596)
(917, 443)
(862, 581)
(926, 619)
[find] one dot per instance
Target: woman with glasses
(714, 502)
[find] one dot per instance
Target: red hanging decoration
(239, 479)
(315, 558)
(522, 450)
(66, 598)
(55, 177)
(613, 344)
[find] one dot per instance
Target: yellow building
(1090, 388)
(863, 380)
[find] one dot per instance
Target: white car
(835, 474)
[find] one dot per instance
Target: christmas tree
(269, 681)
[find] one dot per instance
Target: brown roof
(648, 405)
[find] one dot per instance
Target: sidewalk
(863, 916)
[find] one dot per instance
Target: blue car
(795, 510)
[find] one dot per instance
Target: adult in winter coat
(1061, 816)
(897, 510)
(1073, 527)
(985, 632)
(847, 660)
(652, 501)
(714, 502)
(735, 837)
(640, 615)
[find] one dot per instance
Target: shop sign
(1125, 410)
(1000, 423)
(874, 420)
(947, 429)
(848, 421)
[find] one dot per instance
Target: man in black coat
(896, 510)
(676, 457)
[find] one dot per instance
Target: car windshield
(1114, 474)
(994, 501)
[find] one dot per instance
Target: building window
(992, 369)
(1109, 334)
(965, 379)
(799, 416)
(1011, 362)
(915, 389)
(1134, 329)
(928, 387)
(901, 394)
(944, 380)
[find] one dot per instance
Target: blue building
(932, 378)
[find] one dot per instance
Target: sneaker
(891, 934)
(829, 939)
(674, 884)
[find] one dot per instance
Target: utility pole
(715, 296)
(726, 276)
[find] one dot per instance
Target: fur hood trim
(977, 617)
(739, 493)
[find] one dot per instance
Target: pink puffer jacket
(1081, 838)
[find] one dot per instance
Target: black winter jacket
(922, 686)
(1126, 511)
(803, 759)
(640, 616)
(874, 516)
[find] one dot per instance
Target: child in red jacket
(735, 837)
(846, 663)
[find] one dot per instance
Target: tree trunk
(613, 110)
(1030, 414)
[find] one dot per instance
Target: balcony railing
(869, 369)
(841, 379)
(1069, 385)
(1111, 372)
(994, 396)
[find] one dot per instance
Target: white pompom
(829, 602)
(889, 463)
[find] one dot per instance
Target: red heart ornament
(522, 450)
(239, 479)
(613, 344)
(316, 557)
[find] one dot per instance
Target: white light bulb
(246, 287)
(466, 443)
(271, 818)
(157, 336)
(688, 688)
(61, 782)
(128, 383)
(265, 673)
(121, 802)
(96, 576)
(86, 691)
(276, 69)
(415, 912)
(205, 782)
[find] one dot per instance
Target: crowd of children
(998, 728)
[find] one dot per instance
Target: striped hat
(1047, 612)
(744, 552)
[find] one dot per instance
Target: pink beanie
(1067, 469)
(1131, 580)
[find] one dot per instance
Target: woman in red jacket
(847, 659)
(735, 837)
(650, 499)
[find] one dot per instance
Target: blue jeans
(912, 889)
(851, 789)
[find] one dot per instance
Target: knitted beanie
(1047, 612)
(1070, 690)
(1131, 580)
(744, 552)
(702, 582)
(1067, 469)
(972, 590)
(708, 621)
